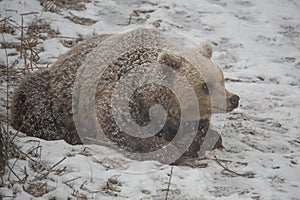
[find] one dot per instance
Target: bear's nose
(234, 100)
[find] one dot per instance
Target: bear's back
(34, 109)
(42, 104)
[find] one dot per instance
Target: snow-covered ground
(256, 43)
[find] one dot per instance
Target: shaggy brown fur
(42, 105)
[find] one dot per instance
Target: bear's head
(206, 79)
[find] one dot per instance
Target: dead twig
(7, 80)
(53, 36)
(20, 180)
(29, 13)
(26, 155)
(247, 175)
(169, 183)
(73, 179)
(50, 169)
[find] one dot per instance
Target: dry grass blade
(2, 159)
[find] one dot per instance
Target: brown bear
(47, 103)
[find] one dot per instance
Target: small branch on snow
(73, 179)
(20, 180)
(247, 175)
(51, 168)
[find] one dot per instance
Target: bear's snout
(234, 101)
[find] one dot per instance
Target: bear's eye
(205, 88)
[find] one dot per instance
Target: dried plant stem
(22, 36)
(7, 82)
(14, 173)
(247, 175)
(169, 183)
(50, 169)
(4, 135)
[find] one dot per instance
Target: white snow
(257, 43)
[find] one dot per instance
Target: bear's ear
(170, 60)
(206, 49)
